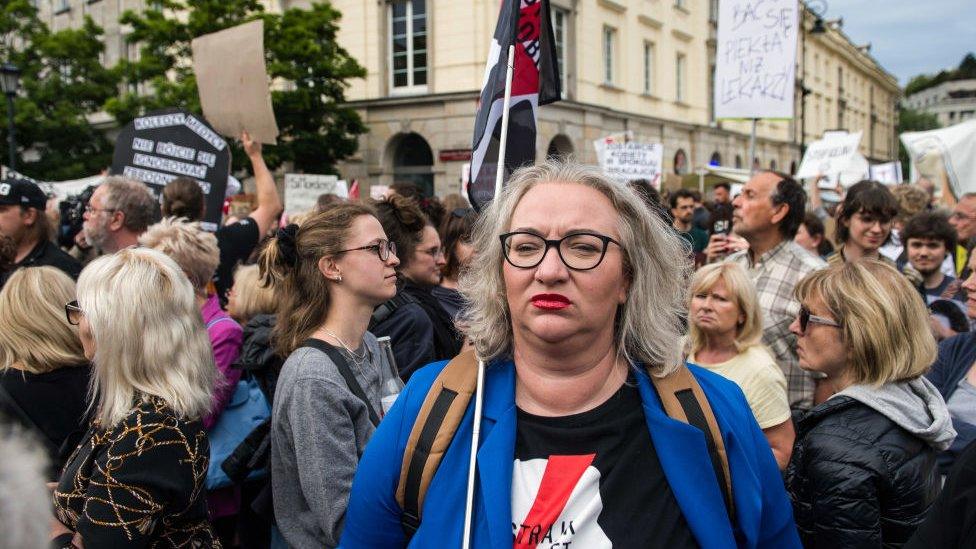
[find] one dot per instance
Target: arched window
(560, 148)
(772, 164)
(738, 162)
(413, 162)
(715, 160)
(793, 167)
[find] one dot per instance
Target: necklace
(356, 358)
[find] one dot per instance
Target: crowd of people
(582, 363)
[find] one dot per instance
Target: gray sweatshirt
(915, 406)
(319, 430)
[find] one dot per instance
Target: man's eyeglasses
(73, 313)
(578, 251)
(806, 318)
(383, 249)
(91, 210)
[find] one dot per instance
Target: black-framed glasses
(578, 251)
(383, 249)
(73, 313)
(806, 318)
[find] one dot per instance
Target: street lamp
(9, 84)
(818, 8)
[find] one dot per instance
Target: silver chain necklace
(359, 360)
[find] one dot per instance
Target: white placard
(755, 59)
(377, 192)
(888, 173)
(630, 160)
(947, 154)
(302, 190)
(829, 156)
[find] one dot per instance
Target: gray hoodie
(915, 406)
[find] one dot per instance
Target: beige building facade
(638, 66)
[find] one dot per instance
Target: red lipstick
(550, 302)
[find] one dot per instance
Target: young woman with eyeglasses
(863, 471)
(420, 330)
(329, 275)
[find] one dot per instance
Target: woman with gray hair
(575, 296)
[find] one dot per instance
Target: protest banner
(166, 144)
(945, 156)
(233, 82)
(829, 156)
(630, 160)
(888, 173)
(754, 63)
(302, 190)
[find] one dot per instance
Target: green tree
(910, 120)
(300, 49)
(63, 84)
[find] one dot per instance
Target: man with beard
(963, 219)
(928, 238)
(25, 227)
(682, 202)
(118, 212)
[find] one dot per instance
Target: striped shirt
(775, 274)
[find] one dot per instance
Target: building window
(63, 6)
(408, 45)
(679, 78)
(680, 4)
(560, 20)
(648, 68)
(609, 37)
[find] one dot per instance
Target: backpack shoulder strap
(684, 400)
(347, 374)
(384, 310)
(432, 432)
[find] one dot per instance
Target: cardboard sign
(755, 58)
(233, 82)
(166, 144)
(829, 156)
(302, 190)
(888, 173)
(626, 161)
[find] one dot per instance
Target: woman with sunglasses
(575, 296)
(863, 471)
(420, 330)
(329, 275)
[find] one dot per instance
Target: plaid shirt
(775, 274)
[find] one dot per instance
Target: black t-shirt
(46, 253)
(593, 480)
(56, 402)
(236, 242)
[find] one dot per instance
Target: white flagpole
(480, 391)
(500, 172)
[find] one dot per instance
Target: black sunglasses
(806, 318)
(73, 313)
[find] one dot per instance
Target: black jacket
(951, 522)
(857, 479)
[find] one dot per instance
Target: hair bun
(288, 245)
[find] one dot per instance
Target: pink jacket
(226, 336)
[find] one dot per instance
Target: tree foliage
(308, 66)
(63, 84)
(965, 70)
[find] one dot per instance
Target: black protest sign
(163, 145)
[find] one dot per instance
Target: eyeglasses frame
(556, 244)
(378, 247)
(72, 307)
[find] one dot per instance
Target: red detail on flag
(561, 476)
(354, 190)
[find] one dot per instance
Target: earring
(339, 278)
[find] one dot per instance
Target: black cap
(21, 192)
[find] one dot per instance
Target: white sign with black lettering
(630, 160)
(302, 190)
(756, 53)
(829, 156)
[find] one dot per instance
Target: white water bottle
(391, 384)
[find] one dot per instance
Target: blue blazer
(764, 516)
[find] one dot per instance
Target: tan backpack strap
(684, 400)
(432, 432)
